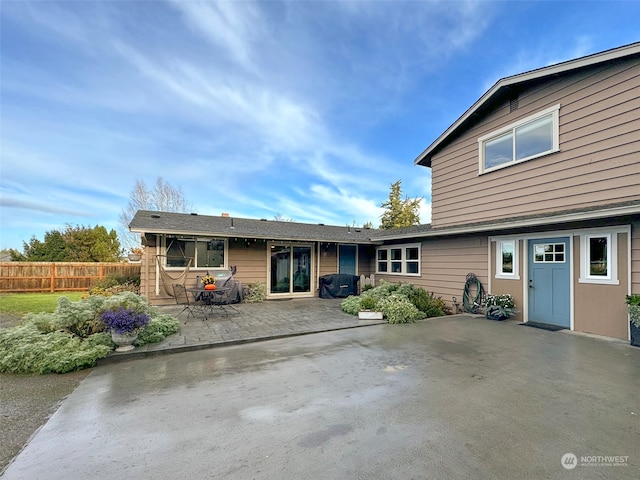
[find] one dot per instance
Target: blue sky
(305, 109)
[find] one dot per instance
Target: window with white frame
(599, 253)
(507, 263)
(205, 252)
(398, 259)
(524, 140)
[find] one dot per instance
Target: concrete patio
(249, 323)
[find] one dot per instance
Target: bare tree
(278, 217)
(162, 197)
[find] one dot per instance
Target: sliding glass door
(290, 269)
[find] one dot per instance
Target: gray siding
(598, 162)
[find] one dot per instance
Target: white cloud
(231, 26)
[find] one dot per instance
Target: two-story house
(536, 190)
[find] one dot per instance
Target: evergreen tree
(398, 212)
(74, 244)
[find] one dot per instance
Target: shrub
(157, 330)
(115, 284)
(395, 301)
(73, 336)
(256, 293)
(398, 309)
(351, 304)
(79, 318)
(368, 303)
(427, 302)
(25, 349)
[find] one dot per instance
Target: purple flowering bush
(124, 320)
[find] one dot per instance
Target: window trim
(194, 265)
(515, 274)
(403, 269)
(555, 124)
(612, 258)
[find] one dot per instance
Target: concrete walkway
(252, 322)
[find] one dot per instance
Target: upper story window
(524, 140)
(206, 252)
(398, 259)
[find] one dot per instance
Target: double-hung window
(398, 259)
(205, 252)
(524, 140)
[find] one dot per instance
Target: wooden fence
(16, 277)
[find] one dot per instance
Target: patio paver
(253, 322)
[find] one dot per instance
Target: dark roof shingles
(184, 223)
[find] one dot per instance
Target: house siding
(600, 309)
(635, 256)
(366, 260)
(328, 259)
(514, 287)
(445, 264)
(249, 259)
(598, 162)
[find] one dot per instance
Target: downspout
(317, 285)
(157, 267)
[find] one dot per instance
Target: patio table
(212, 298)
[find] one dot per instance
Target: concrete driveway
(452, 398)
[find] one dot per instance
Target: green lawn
(20, 303)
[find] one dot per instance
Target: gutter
(531, 222)
(210, 233)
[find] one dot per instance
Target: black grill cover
(338, 285)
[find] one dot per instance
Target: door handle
(530, 283)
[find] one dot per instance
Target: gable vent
(513, 104)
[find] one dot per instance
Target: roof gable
(504, 86)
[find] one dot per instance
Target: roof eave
(523, 223)
(424, 158)
(209, 233)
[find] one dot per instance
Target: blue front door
(347, 259)
(550, 281)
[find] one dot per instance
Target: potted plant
(633, 305)
(209, 282)
(135, 254)
(367, 309)
(124, 325)
(499, 307)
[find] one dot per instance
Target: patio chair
(224, 299)
(191, 306)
